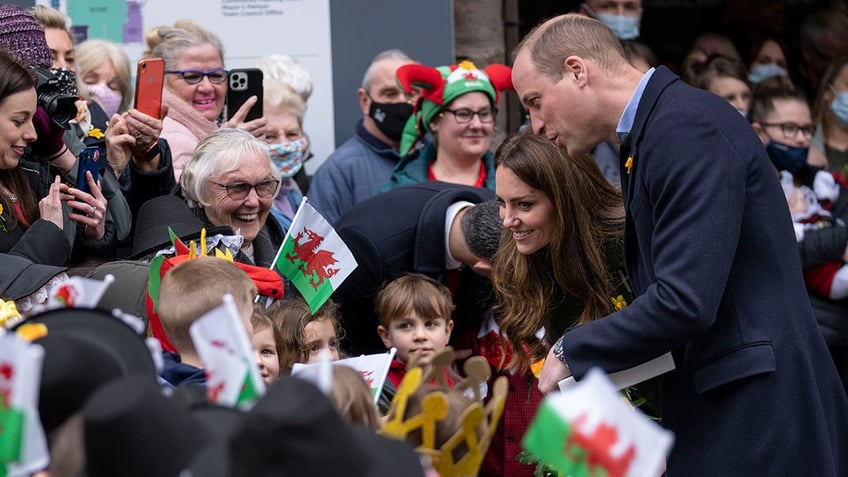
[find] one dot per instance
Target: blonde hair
(194, 288)
(291, 316)
(91, 54)
(352, 398)
(169, 42)
(413, 291)
(572, 35)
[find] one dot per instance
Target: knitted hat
(441, 86)
(23, 36)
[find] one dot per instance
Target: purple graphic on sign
(132, 28)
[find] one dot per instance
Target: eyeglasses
(789, 130)
(240, 190)
(190, 76)
(465, 115)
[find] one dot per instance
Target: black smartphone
(242, 83)
(89, 160)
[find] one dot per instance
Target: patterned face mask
(287, 156)
(67, 80)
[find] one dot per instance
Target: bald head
(550, 43)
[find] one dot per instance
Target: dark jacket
(821, 246)
(403, 231)
(177, 373)
(711, 255)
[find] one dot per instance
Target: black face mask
(390, 118)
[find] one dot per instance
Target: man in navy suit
(434, 228)
(710, 252)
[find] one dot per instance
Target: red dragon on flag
(314, 260)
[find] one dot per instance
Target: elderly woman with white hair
(230, 181)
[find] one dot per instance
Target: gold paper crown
(462, 453)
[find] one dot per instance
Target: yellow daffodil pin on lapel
(628, 164)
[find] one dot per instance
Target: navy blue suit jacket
(401, 231)
(712, 258)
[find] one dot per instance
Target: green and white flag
(313, 256)
(589, 430)
(232, 375)
(23, 448)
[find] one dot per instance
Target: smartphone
(149, 79)
(89, 160)
(242, 83)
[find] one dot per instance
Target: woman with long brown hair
(560, 261)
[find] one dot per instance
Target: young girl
(267, 345)
(726, 78)
(305, 334)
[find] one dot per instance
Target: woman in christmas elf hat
(458, 108)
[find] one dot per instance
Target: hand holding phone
(242, 83)
(149, 80)
(89, 161)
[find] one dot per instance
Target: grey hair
(222, 151)
(278, 94)
(481, 226)
(286, 69)
(169, 42)
(393, 54)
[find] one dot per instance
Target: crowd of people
(637, 212)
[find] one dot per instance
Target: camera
(59, 106)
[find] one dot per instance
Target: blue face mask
(761, 72)
(288, 157)
(839, 106)
(787, 158)
(624, 27)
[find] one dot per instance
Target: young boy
(414, 312)
(189, 291)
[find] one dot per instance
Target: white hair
(222, 151)
(286, 69)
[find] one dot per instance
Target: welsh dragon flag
(232, 376)
(313, 256)
(372, 367)
(23, 448)
(80, 292)
(589, 430)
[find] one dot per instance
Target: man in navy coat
(710, 252)
(426, 228)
